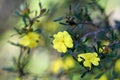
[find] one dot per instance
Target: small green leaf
(17, 13)
(38, 31)
(17, 30)
(9, 69)
(85, 39)
(14, 61)
(70, 52)
(95, 49)
(115, 74)
(40, 5)
(35, 13)
(15, 44)
(76, 77)
(25, 21)
(99, 75)
(63, 23)
(59, 19)
(70, 7)
(84, 73)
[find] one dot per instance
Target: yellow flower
(62, 41)
(103, 77)
(30, 40)
(17, 78)
(117, 66)
(88, 59)
(69, 63)
(57, 66)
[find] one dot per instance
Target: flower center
(88, 58)
(62, 41)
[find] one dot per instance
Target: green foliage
(92, 37)
(22, 61)
(88, 37)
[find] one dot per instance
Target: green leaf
(14, 61)
(59, 19)
(15, 44)
(17, 13)
(70, 52)
(76, 77)
(17, 30)
(25, 21)
(115, 74)
(95, 49)
(99, 75)
(85, 39)
(63, 23)
(84, 73)
(35, 13)
(38, 31)
(9, 69)
(40, 5)
(70, 7)
(13, 35)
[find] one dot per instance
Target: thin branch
(20, 69)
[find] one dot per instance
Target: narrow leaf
(9, 69)
(59, 19)
(15, 44)
(99, 75)
(63, 23)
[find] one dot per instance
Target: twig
(20, 69)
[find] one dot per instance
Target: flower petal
(67, 39)
(60, 47)
(59, 35)
(95, 61)
(62, 41)
(79, 59)
(87, 63)
(95, 54)
(25, 41)
(30, 39)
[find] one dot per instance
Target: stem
(20, 69)
(31, 21)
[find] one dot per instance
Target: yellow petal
(56, 66)
(95, 54)
(69, 62)
(68, 42)
(60, 47)
(33, 44)
(81, 55)
(33, 35)
(25, 41)
(117, 66)
(79, 59)
(30, 40)
(95, 62)
(87, 63)
(103, 77)
(62, 41)
(59, 35)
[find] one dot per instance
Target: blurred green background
(44, 55)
